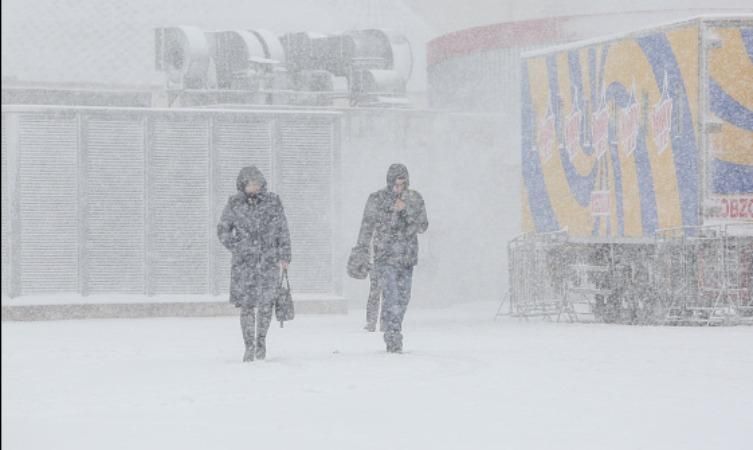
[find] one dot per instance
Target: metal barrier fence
(706, 274)
(126, 200)
(701, 275)
(537, 281)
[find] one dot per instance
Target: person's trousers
(255, 323)
(395, 282)
(256, 315)
(375, 298)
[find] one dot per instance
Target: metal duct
(183, 53)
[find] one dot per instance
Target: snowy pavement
(465, 382)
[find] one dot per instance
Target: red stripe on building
(491, 37)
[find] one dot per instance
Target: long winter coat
(255, 230)
(394, 233)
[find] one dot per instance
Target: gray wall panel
(115, 200)
(178, 206)
(48, 190)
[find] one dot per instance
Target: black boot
(261, 347)
(248, 356)
(248, 329)
(394, 341)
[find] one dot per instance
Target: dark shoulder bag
(284, 307)
(358, 263)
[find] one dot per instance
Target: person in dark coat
(392, 219)
(254, 228)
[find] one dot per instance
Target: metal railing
(706, 274)
(537, 282)
(690, 275)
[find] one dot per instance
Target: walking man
(392, 219)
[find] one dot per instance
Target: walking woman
(254, 228)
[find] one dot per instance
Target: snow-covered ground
(465, 382)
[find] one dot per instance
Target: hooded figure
(254, 228)
(392, 219)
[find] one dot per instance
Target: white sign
(599, 203)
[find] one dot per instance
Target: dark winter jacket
(255, 230)
(393, 232)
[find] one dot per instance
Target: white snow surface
(465, 381)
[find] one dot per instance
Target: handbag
(284, 307)
(358, 262)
